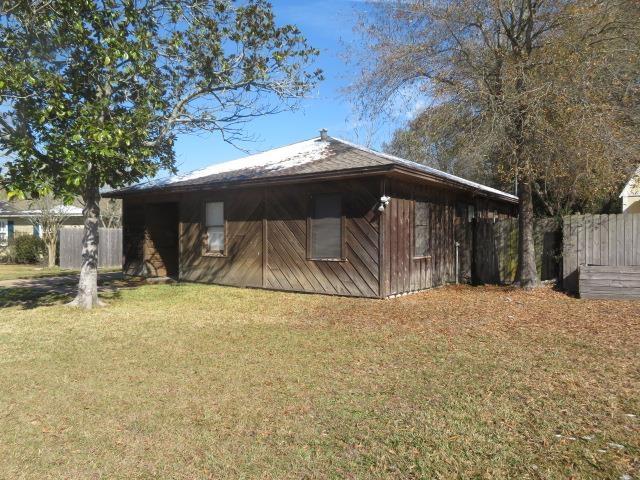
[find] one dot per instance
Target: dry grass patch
(194, 381)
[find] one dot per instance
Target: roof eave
(316, 176)
(462, 186)
(32, 215)
(283, 179)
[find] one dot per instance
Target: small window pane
(215, 214)
(326, 227)
(422, 213)
(214, 223)
(422, 240)
(471, 213)
(215, 239)
(421, 229)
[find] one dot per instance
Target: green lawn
(13, 272)
(195, 381)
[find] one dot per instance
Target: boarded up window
(421, 229)
(214, 223)
(326, 227)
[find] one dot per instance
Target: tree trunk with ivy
(527, 275)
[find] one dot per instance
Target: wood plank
(636, 239)
(604, 239)
(612, 239)
(595, 258)
(393, 210)
(620, 240)
(265, 236)
(588, 239)
(628, 239)
(382, 255)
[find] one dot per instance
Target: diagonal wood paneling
(288, 267)
(243, 264)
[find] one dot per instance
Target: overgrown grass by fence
(109, 251)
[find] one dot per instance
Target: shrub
(27, 249)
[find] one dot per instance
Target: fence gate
(109, 250)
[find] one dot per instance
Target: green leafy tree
(94, 92)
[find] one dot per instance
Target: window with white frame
(215, 228)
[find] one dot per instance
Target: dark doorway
(161, 245)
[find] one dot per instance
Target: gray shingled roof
(315, 156)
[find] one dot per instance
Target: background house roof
(10, 211)
(316, 156)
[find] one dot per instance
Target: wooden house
(322, 216)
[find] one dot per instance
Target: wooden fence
(496, 250)
(109, 251)
(611, 240)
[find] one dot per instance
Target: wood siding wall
(242, 264)
(274, 221)
(266, 237)
(448, 219)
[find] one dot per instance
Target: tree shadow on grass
(28, 298)
(40, 294)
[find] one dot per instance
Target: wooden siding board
(613, 258)
(604, 239)
(620, 222)
(628, 240)
(610, 282)
(636, 239)
(595, 259)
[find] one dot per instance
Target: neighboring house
(631, 194)
(323, 216)
(18, 219)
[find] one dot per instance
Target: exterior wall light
(384, 202)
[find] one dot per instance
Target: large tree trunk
(527, 274)
(87, 296)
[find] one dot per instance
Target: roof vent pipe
(324, 134)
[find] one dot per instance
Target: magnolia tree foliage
(94, 92)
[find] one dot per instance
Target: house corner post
(265, 238)
(382, 227)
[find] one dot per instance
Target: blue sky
(328, 26)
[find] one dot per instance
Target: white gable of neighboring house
(631, 194)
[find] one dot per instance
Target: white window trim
(205, 247)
